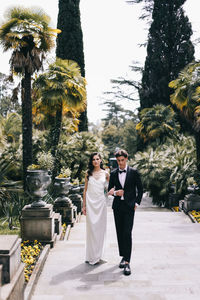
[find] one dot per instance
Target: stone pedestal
(63, 204)
(191, 202)
(173, 200)
(10, 256)
(38, 224)
(78, 201)
(65, 208)
(181, 205)
(75, 213)
(58, 223)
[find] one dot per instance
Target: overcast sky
(112, 34)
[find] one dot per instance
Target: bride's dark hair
(90, 164)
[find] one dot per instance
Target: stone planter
(63, 204)
(38, 182)
(173, 199)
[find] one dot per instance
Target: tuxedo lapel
(117, 178)
(127, 176)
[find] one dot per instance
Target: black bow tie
(123, 171)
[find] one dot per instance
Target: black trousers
(124, 218)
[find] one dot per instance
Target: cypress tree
(169, 50)
(70, 40)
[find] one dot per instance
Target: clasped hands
(119, 193)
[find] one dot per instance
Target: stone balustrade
(11, 268)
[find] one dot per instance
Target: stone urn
(62, 203)
(192, 200)
(62, 186)
(193, 189)
(76, 197)
(37, 183)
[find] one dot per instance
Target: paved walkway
(165, 262)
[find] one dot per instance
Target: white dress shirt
(122, 178)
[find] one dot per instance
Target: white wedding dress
(96, 217)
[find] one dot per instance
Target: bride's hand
(111, 192)
(84, 210)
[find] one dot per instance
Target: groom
(126, 187)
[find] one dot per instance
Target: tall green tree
(27, 34)
(169, 50)
(70, 41)
(116, 114)
(119, 128)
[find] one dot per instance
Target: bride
(94, 208)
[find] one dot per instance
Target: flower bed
(64, 228)
(176, 208)
(196, 215)
(29, 255)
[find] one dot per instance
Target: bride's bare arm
(84, 195)
(107, 176)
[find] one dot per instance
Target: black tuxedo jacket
(133, 189)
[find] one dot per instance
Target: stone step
(165, 262)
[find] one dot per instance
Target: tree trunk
(197, 140)
(83, 125)
(56, 130)
(26, 124)
(56, 138)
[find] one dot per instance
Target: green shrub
(173, 162)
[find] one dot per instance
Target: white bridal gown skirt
(96, 218)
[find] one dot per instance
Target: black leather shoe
(122, 263)
(127, 270)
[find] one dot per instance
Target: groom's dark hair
(121, 152)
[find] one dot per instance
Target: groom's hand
(119, 193)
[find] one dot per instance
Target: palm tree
(61, 88)
(186, 97)
(27, 33)
(11, 125)
(157, 123)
